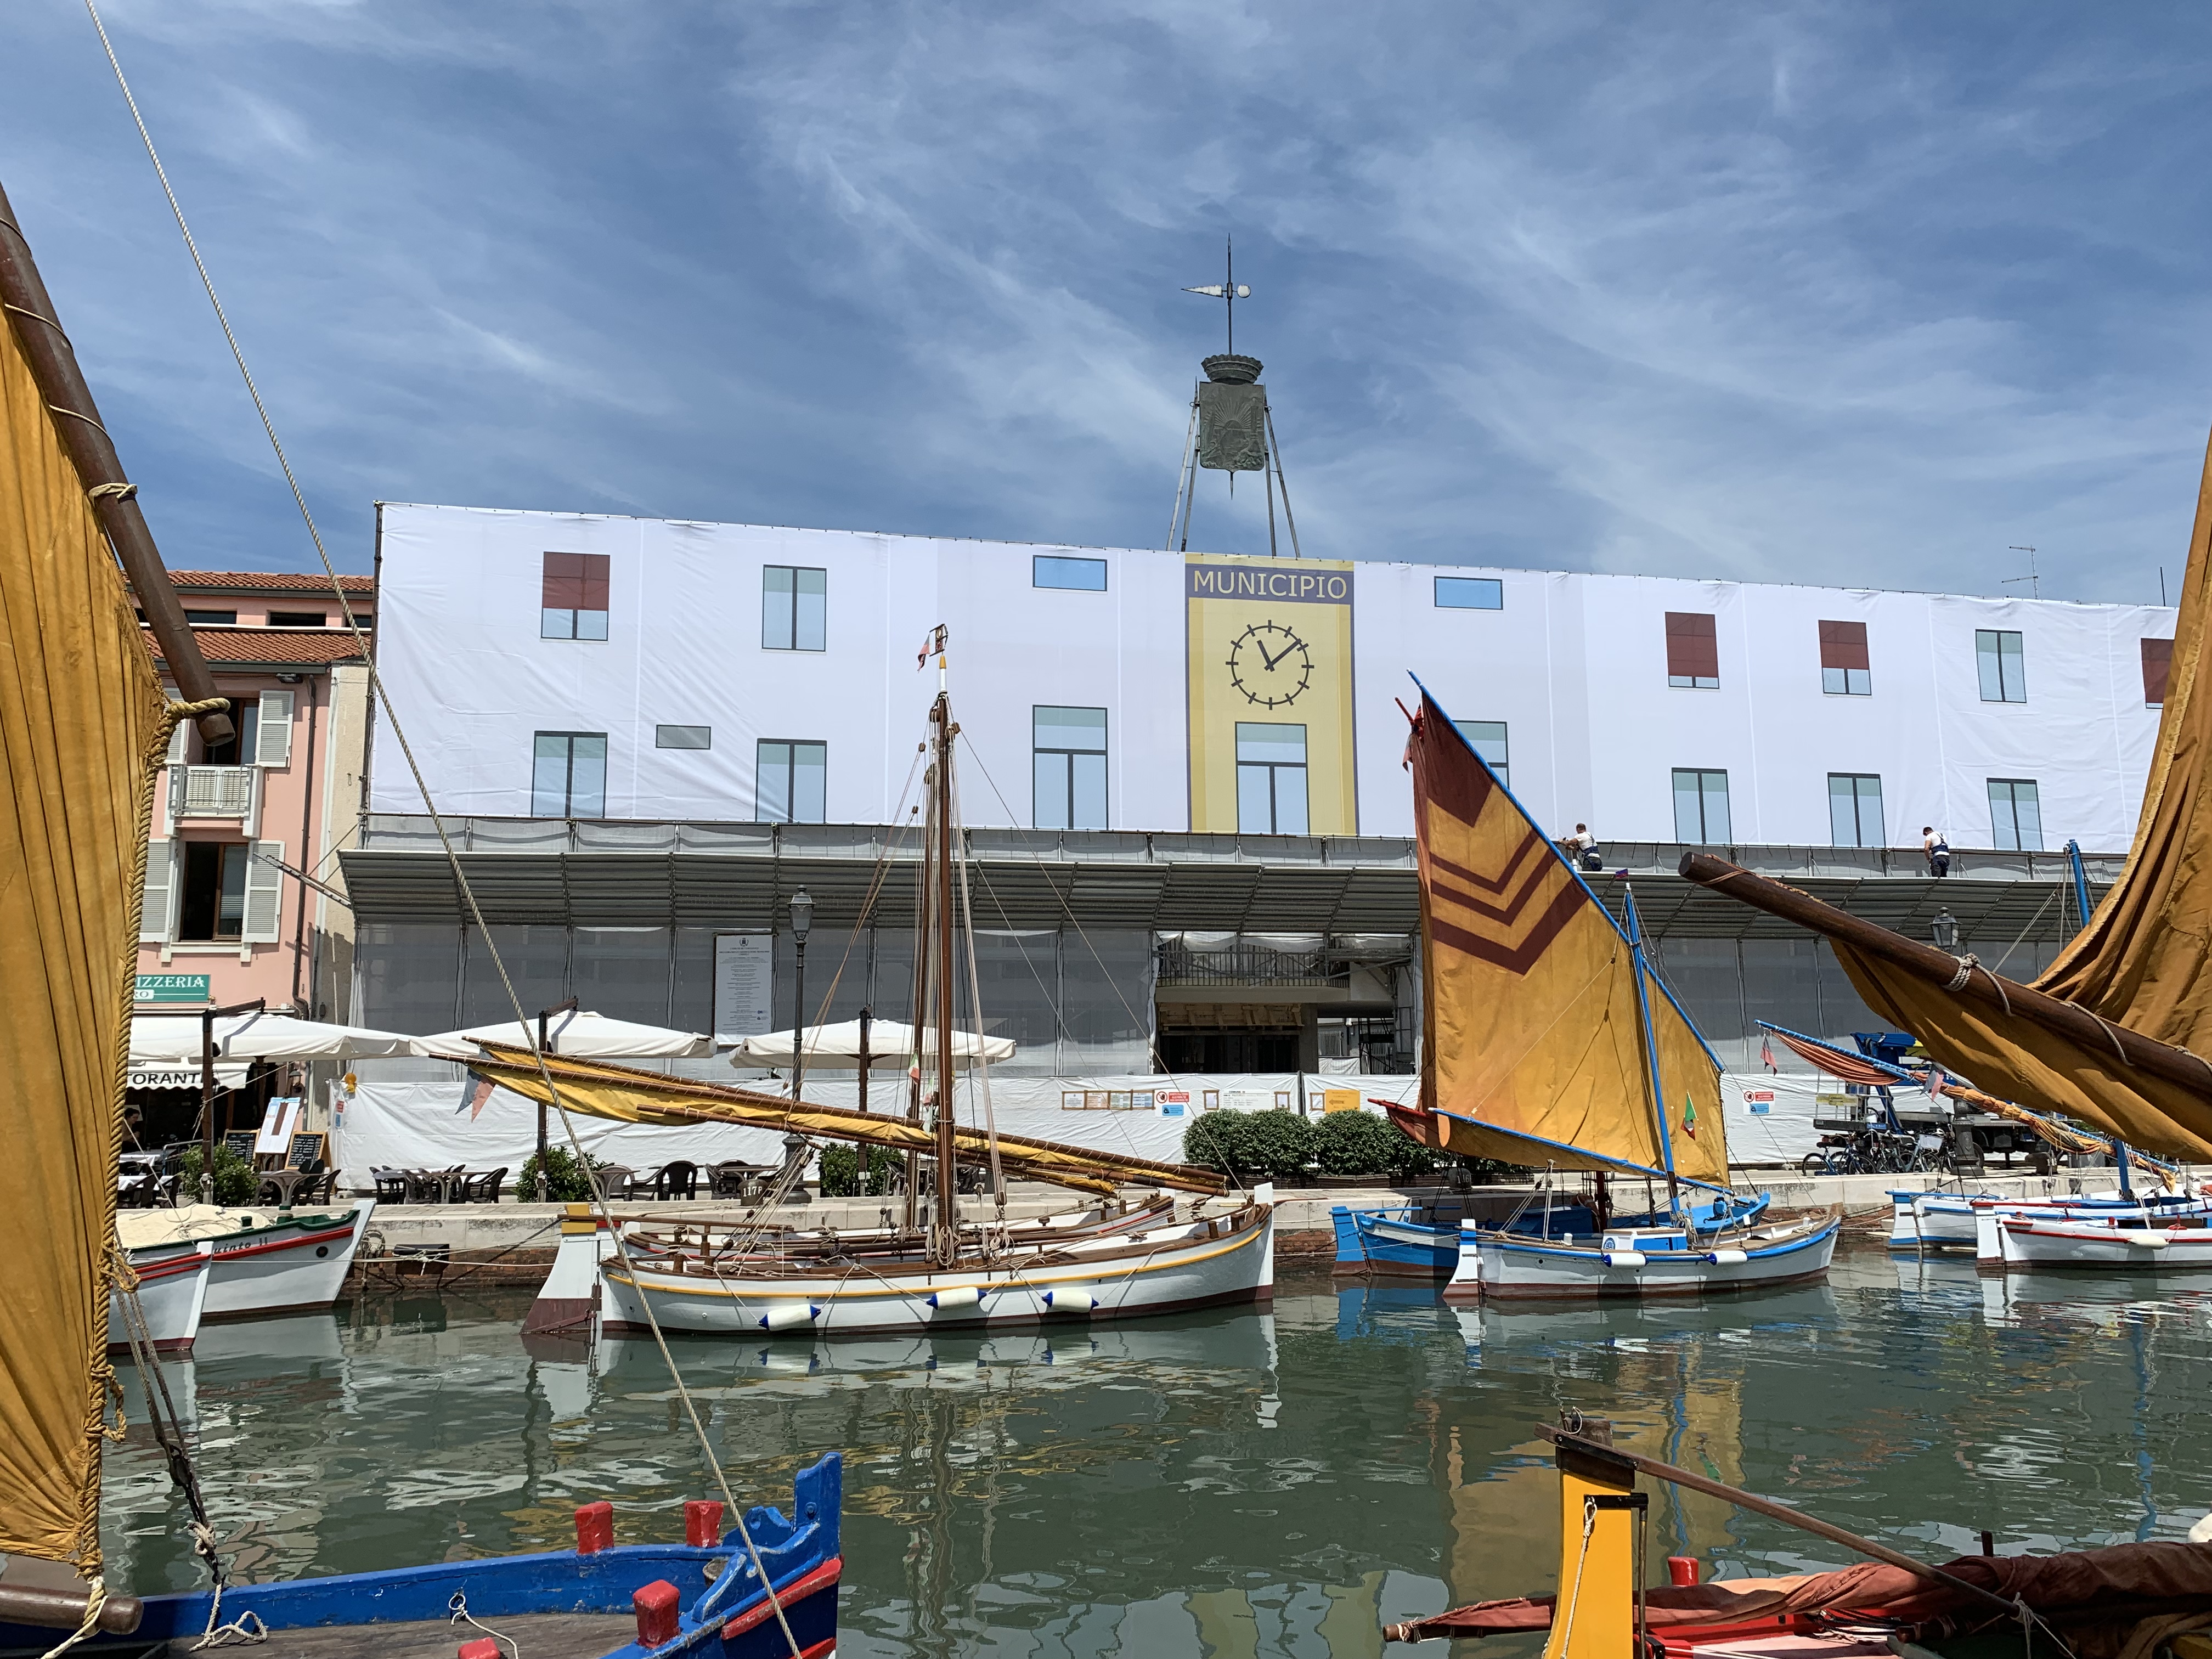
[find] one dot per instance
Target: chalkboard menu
(306, 1151)
(240, 1141)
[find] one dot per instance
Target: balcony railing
(210, 792)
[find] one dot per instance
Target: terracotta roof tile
(268, 581)
(237, 646)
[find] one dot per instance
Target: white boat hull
(1935, 1219)
(1127, 1277)
(299, 1269)
(2032, 1243)
(1501, 1265)
(173, 1286)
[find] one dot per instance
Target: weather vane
(1229, 292)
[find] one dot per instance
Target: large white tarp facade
(1569, 672)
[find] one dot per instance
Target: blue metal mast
(1652, 1050)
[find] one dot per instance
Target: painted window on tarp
(1844, 670)
(1271, 779)
(1694, 651)
(568, 775)
(2015, 815)
(1487, 740)
(1055, 570)
(1855, 809)
(575, 596)
(794, 608)
(1701, 805)
(1470, 593)
(2157, 669)
(1069, 763)
(793, 781)
(683, 737)
(2001, 659)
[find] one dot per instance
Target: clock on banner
(1270, 664)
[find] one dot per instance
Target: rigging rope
(444, 839)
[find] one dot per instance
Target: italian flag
(1689, 1117)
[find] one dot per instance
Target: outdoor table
(284, 1181)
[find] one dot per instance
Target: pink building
(229, 915)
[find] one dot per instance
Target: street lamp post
(802, 919)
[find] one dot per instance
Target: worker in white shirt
(1582, 847)
(1936, 850)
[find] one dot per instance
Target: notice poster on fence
(744, 982)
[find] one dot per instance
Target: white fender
(956, 1295)
(789, 1316)
(1728, 1258)
(1624, 1258)
(1071, 1299)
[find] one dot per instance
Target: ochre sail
(626, 1095)
(83, 726)
(2140, 963)
(2141, 960)
(1532, 1021)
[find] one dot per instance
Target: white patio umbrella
(579, 1033)
(837, 1048)
(165, 1039)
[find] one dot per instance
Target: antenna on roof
(2034, 586)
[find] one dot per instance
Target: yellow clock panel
(1270, 679)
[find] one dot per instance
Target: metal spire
(1228, 291)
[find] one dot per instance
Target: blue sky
(1835, 293)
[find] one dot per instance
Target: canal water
(1220, 1484)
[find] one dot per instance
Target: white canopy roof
(578, 1033)
(837, 1048)
(164, 1040)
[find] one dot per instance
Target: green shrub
(842, 1176)
(234, 1180)
(1251, 1147)
(566, 1182)
(1362, 1143)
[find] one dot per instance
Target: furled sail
(2141, 960)
(1539, 1048)
(626, 1095)
(2114, 1033)
(82, 727)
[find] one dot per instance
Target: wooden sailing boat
(83, 728)
(2114, 1032)
(1550, 1043)
(937, 1270)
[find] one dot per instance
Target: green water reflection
(1227, 1484)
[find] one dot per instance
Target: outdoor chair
(483, 1189)
(138, 1192)
(677, 1179)
(391, 1185)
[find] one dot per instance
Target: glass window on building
(2015, 815)
(568, 775)
(1069, 767)
(793, 782)
(211, 904)
(573, 592)
(683, 737)
(2002, 661)
(1470, 593)
(1053, 570)
(2157, 670)
(1487, 740)
(1271, 779)
(1855, 809)
(1701, 805)
(794, 608)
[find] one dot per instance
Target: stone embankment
(512, 1244)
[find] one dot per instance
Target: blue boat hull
(1391, 1243)
(728, 1616)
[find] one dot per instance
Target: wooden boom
(2076, 1024)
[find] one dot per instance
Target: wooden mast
(940, 721)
